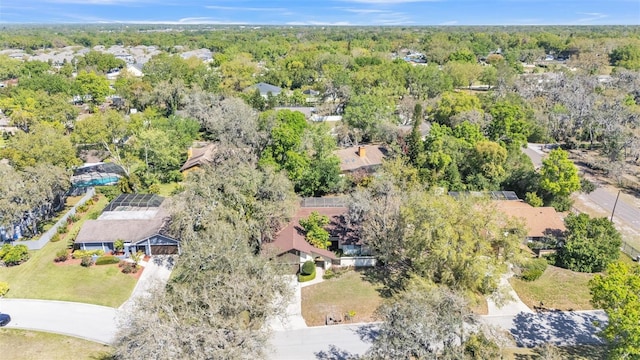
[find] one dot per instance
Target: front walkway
(292, 318)
(511, 305)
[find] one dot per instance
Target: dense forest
(453, 106)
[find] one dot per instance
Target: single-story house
(139, 220)
(265, 89)
(542, 223)
(363, 157)
(135, 69)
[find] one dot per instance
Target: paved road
(91, 322)
(628, 214)
(323, 342)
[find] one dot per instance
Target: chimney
(361, 151)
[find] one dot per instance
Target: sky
(324, 12)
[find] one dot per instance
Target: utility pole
(614, 206)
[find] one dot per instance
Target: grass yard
(27, 345)
(167, 189)
(578, 352)
(338, 296)
(557, 288)
(41, 278)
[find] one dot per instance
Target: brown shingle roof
(112, 230)
(292, 236)
(199, 157)
(352, 158)
(540, 221)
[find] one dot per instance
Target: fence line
(44, 238)
(324, 202)
(630, 250)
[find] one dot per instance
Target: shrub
(4, 250)
(93, 215)
(61, 256)
(82, 208)
(62, 229)
(118, 245)
(90, 202)
(154, 189)
(303, 278)
(4, 288)
(128, 267)
(78, 254)
(110, 192)
(328, 274)
(107, 260)
(55, 237)
(86, 261)
(16, 255)
(533, 269)
(308, 268)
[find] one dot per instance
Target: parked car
(4, 319)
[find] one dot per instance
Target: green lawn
(41, 278)
(578, 352)
(557, 288)
(338, 296)
(23, 345)
(167, 189)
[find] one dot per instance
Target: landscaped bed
(557, 288)
(339, 296)
(41, 278)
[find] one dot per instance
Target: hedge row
(107, 260)
(79, 254)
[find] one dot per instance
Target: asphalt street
(91, 322)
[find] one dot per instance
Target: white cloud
(362, 11)
(590, 17)
(451, 22)
(240, 8)
(320, 23)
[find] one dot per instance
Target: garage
(159, 245)
(164, 249)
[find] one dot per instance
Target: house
(363, 157)
(135, 69)
(291, 246)
(5, 125)
(266, 89)
(542, 223)
(198, 156)
(137, 219)
(203, 153)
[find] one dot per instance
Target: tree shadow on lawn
(367, 333)
(562, 328)
(386, 281)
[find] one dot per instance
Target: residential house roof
(265, 89)
(539, 221)
(127, 223)
(199, 156)
(363, 156)
(292, 237)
